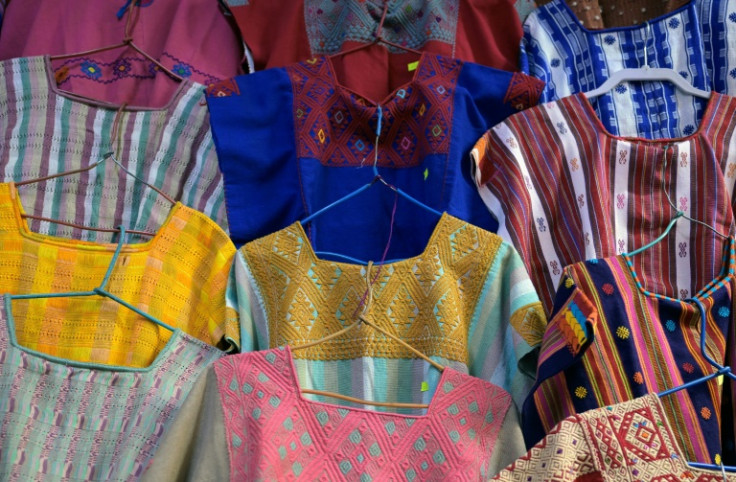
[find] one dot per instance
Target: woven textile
(63, 421)
(566, 190)
(627, 441)
(466, 300)
(609, 341)
(696, 40)
(44, 132)
(303, 131)
(192, 38)
(179, 276)
(270, 431)
(485, 32)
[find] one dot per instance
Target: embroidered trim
(523, 91)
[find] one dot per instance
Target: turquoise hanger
(101, 290)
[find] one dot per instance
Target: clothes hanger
(133, 13)
(101, 290)
(361, 319)
(647, 74)
(377, 179)
(105, 157)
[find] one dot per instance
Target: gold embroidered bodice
(427, 300)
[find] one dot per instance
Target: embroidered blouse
(696, 40)
(565, 190)
(253, 423)
(179, 276)
(484, 32)
(43, 132)
(609, 341)
(632, 440)
(466, 300)
(192, 38)
(298, 132)
(64, 420)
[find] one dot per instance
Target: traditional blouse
(633, 440)
(696, 40)
(466, 301)
(179, 276)
(192, 38)
(252, 422)
(299, 132)
(609, 341)
(64, 420)
(484, 32)
(565, 190)
(43, 132)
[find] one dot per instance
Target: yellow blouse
(179, 276)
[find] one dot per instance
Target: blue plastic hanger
(377, 179)
(101, 290)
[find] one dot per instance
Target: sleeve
(194, 447)
(509, 444)
(534, 60)
(253, 128)
(569, 333)
(507, 326)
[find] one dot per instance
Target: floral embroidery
(561, 128)
(574, 164)
(569, 283)
(182, 70)
(683, 159)
(705, 413)
(732, 17)
(674, 23)
(555, 63)
(587, 240)
(683, 249)
(91, 69)
(670, 325)
(555, 267)
(511, 142)
(542, 227)
(621, 89)
(621, 246)
(581, 392)
(731, 169)
(581, 200)
(121, 68)
(723, 311)
(684, 293)
(638, 378)
(688, 367)
(620, 198)
(623, 332)
(689, 129)
(684, 74)
(608, 289)
(622, 157)
(609, 39)
(732, 73)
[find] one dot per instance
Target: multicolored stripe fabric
(465, 301)
(62, 420)
(179, 276)
(610, 341)
(45, 132)
(565, 190)
(697, 40)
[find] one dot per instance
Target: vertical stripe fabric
(45, 132)
(565, 190)
(696, 40)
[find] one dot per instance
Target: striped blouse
(565, 190)
(179, 276)
(43, 132)
(66, 421)
(696, 40)
(610, 341)
(466, 301)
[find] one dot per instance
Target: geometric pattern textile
(632, 440)
(274, 433)
(62, 420)
(611, 341)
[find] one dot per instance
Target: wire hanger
(362, 320)
(647, 74)
(105, 157)
(133, 13)
(377, 179)
(378, 38)
(101, 290)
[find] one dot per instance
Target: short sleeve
(253, 129)
(507, 326)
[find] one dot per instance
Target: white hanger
(647, 74)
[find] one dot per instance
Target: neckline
(183, 87)
(24, 230)
(727, 272)
(665, 16)
(390, 97)
(430, 410)
(432, 241)
(601, 129)
(9, 331)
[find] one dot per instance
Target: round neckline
(161, 356)
(602, 131)
(25, 231)
(663, 17)
(390, 97)
(432, 241)
(179, 92)
(430, 410)
(727, 271)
